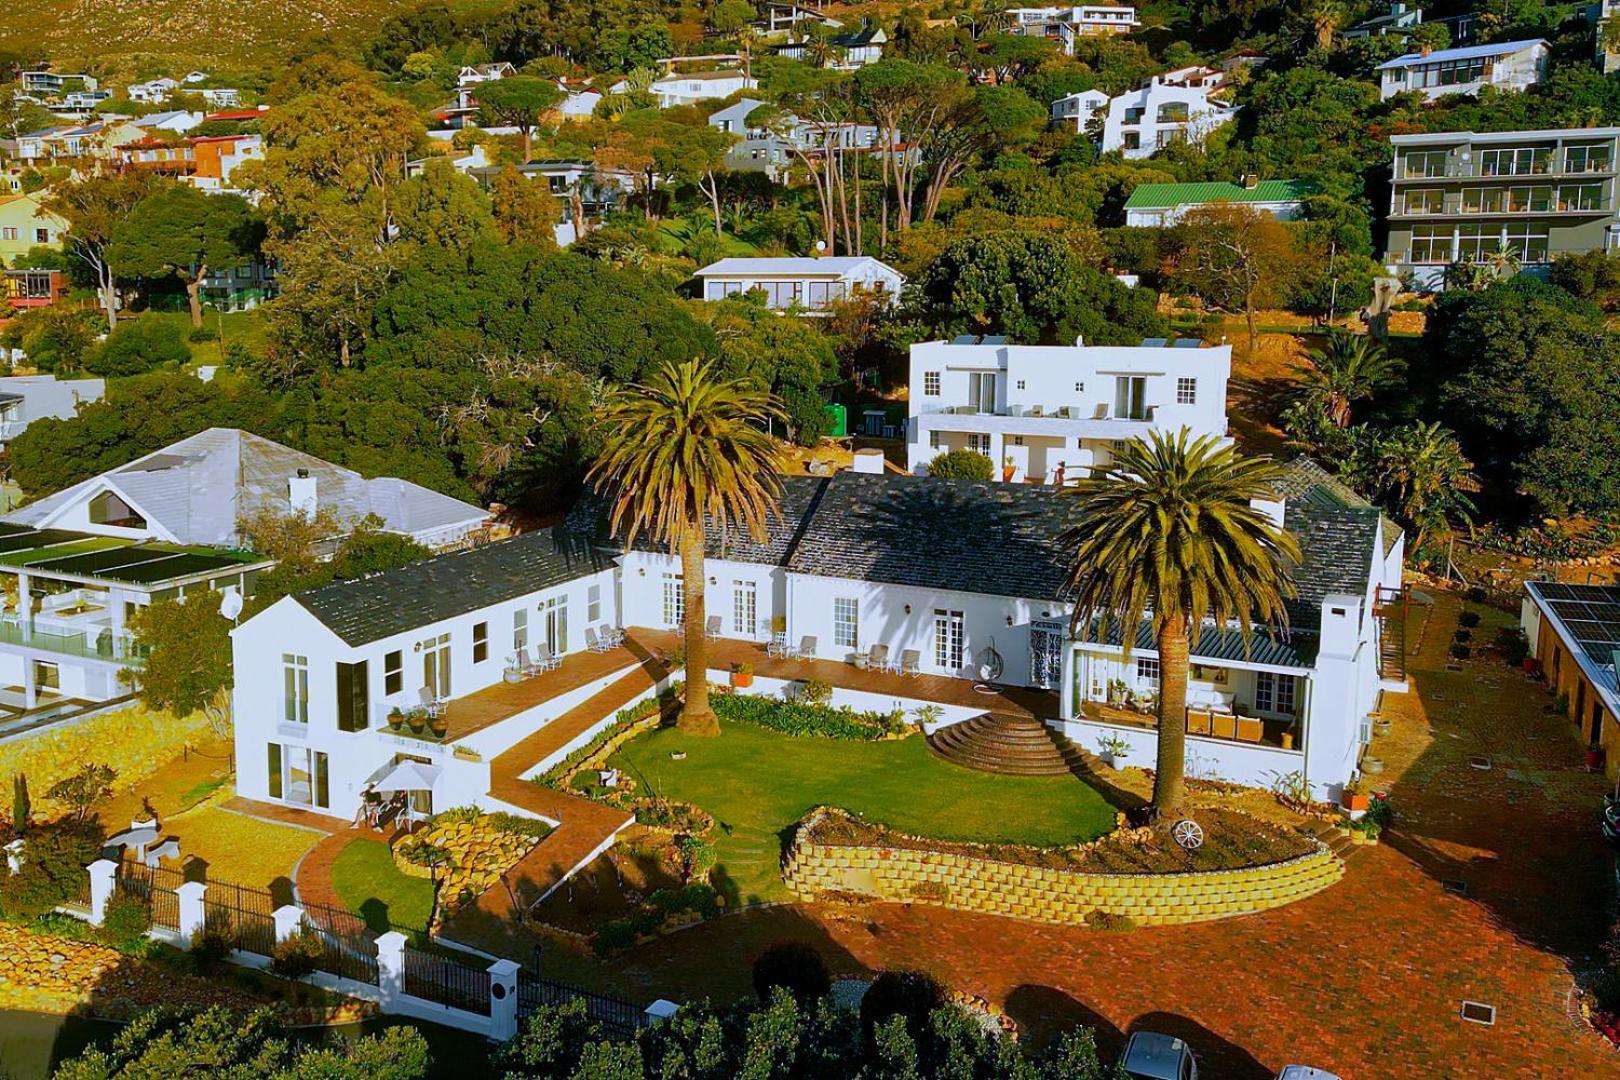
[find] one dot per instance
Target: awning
(410, 776)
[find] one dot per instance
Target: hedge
(800, 719)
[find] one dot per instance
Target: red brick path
(1366, 979)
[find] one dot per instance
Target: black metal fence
(617, 1016)
(155, 886)
(244, 917)
(350, 946)
(446, 982)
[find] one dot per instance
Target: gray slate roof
(200, 488)
(371, 608)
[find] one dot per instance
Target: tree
(1236, 259)
(905, 101)
(686, 451)
(21, 806)
(1418, 472)
(1167, 533)
(962, 465)
(138, 345)
(1352, 368)
(441, 208)
(526, 211)
(729, 16)
(187, 667)
(82, 790)
(181, 232)
(520, 101)
(94, 206)
(793, 359)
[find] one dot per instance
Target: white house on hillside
(948, 575)
(26, 398)
(1506, 65)
(687, 88)
(1048, 413)
(1143, 121)
(1154, 206)
(1068, 23)
(807, 283)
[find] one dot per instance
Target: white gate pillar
(391, 969)
(193, 916)
(103, 878)
(503, 1000)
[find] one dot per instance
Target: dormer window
(108, 509)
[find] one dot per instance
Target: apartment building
(1067, 24)
(1048, 413)
(1464, 196)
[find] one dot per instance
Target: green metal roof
(1166, 196)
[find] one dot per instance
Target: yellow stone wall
(1052, 896)
(134, 740)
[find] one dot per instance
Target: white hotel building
(1050, 412)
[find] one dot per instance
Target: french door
(949, 639)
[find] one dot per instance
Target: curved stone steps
(1009, 745)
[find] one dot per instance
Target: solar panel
(92, 562)
(25, 541)
(178, 566)
(9, 529)
(1590, 614)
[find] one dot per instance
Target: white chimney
(1079, 341)
(869, 460)
(301, 494)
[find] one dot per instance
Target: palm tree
(1324, 17)
(1424, 478)
(683, 450)
(1166, 532)
(1352, 368)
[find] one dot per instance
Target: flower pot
(1288, 740)
(1118, 761)
(417, 723)
(439, 725)
(1007, 474)
(396, 721)
(1356, 802)
(742, 680)
(1594, 758)
(512, 675)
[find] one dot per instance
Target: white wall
(1203, 117)
(1207, 759)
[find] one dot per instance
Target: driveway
(1366, 979)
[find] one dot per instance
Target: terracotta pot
(439, 725)
(417, 723)
(1007, 474)
(1594, 758)
(742, 680)
(1355, 802)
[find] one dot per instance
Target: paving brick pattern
(1366, 978)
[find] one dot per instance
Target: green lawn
(368, 883)
(757, 783)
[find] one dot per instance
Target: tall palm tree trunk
(696, 717)
(1169, 776)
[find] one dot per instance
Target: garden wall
(134, 740)
(966, 883)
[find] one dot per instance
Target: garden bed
(467, 851)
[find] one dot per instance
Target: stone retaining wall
(1064, 897)
(135, 740)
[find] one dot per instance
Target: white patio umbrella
(409, 776)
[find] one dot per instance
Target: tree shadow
(1218, 1058)
(1044, 1012)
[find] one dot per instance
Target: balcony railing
(1474, 171)
(87, 642)
(1098, 411)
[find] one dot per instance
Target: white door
(744, 609)
(949, 640)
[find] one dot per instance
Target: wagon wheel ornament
(1188, 834)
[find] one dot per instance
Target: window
(931, 384)
(47, 676)
(393, 672)
(42, 236)
(593, 604)
(353, 697)
(436, 665)
(1514, 161)
(480, 642)
(949, 639)
(273, 770)
(846, 622)
(979, 442)
(1186, 391)
(520, 629)
(1424, 201)
(1079, 387)
(8, 233)
(1274, 693)
(1020, 384)
(299, 775)
(744, 608)
(1597, 157)
(933, 440)
(106, 508)
(1426, 163)
(982, 390)
(1147, 671)
(674, 599)
(1580, 197)
(1130, 397)
(1173, 112)
(294, 688)
(1432, 244)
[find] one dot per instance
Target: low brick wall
(1064, 897)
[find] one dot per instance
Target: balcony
(82, 640)
(1474, 171)
(1204, 724)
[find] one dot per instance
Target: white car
(1305, 1072)
(1151, 1056)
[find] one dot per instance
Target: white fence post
(193, 915)
(503, 1000)
(103, 878)
(289, 921)
(391, 969)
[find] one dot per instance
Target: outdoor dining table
(136, 838)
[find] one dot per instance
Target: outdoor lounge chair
(526, 664)
(807, 647)
(778, 645)
(594, 643)
(1198, 722)
(711, 629)
(427, 700)
(1224, 727)
(910, 662)
(546, 659)
(878, 658)
(611, 637)
(1250, 729)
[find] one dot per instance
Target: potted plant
(1007, 469)
(742, 676)
(513, 672)
(439, 724)
(396, 719)
(1117, 691)
(1116, 749)
(417, 720)
(1354, 798)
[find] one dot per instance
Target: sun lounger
(910, 662)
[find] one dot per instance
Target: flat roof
(1587, 617)
(1466, 52)
(63, 553)
(1503, 136)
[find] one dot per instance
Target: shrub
(85, 788)
(53, 869)
(1512, 644)
(936, 891)
(1459, 651)
(1468, 618)
(912, 995)
(799, 718)
(796, 968)
(1475, 595)
(297, 956)
(457, 815)
(209, 950)
(137, 346)
(816, 692)
(961, 465)
(202, 333)
(1109, 921)
(698, 855)
(1462, 635)
(501, 821)
(125, 923)
(616, 935)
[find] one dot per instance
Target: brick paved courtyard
(1366, 979)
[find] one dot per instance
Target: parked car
(1152, 1056)
(1305, 1072)
(1609, 822)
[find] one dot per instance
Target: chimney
(1079, 341)
(301, 494)
(1250, 181)
(869, 460)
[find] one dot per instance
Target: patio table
(136, 838)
